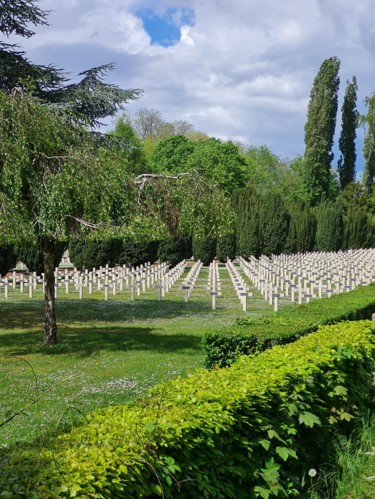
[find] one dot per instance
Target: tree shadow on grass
(14, 315)
(87, 341)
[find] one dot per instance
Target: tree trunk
(50, 327)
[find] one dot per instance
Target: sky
(239, 70)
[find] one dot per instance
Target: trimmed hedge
(137, 253)
(174, 250)
(8, 258)
(223, 346)
(251, 430)
(89, 254)
(32, 256)
(204, 249)
(226, 247)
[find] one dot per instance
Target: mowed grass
(109, 352)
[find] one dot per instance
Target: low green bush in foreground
(254, 429)
(223, 346)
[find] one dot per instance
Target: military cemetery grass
(109, 352)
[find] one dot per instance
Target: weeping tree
(53, 181)
(186, 204)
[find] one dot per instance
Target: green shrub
(223, 346)
(226, 247)
(204, 249)
(8, 258)
(174, 250)
(32, 256)
(251, 430)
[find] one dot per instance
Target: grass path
(108, 352)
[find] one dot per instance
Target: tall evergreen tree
(369, 144)
(320, 129)
(274, 224)
(330, 229)
(86, 102)
(247, 209)
(346, 163)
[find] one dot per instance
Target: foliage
(246, 205)
(302, 229)
(186, 204)
(32, 256)
(134, 253)
(223, 346)
(329, 228)
(220, 162)
(369, 143)
(252, 430)
(262, 222)
(171, 154)
(273, 223)
(320, 129)
(174, 250)
(89, 254)
(346, 163)
(226, 247)
(204, 249)
(8, 258)
(129, 147)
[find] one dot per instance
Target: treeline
(269, 225)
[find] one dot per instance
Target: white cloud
(244, 70)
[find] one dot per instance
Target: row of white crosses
(167, 281)
(310, 275)
(103, 279)
(190, 280)
(239, 284)
(214, 284)
(30, 281)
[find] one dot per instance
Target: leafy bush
(251, 430)
(32, 256)
(204, 249)
(8, 258)
(223, 346)
(226, 247)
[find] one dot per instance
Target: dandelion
(312, 472)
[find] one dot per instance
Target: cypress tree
(248, 234)
(369, 144)
(320, 129)
(346, 163)
(274, 224)
(329, 230)
(302, 229)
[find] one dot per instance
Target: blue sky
(238, 70)
(164, 28)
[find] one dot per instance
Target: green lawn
(108, 352)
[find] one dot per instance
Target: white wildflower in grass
(312, 472)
